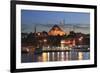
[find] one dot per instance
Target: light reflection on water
(54, 56)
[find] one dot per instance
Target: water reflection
(55, 56)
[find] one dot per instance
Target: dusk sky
(29, 18)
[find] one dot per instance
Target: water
(54, 56)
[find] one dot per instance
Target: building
(56, 30)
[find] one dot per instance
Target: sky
(32, 18)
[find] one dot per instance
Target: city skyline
(66, 37)
(30, 18)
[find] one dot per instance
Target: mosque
(56, 30)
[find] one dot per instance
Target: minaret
(63, 21)
(35, 30)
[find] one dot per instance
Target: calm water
(54, 56)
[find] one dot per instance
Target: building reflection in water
(55, 56)
(80, 55)
(45, 57)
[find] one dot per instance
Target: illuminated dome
(56, 30)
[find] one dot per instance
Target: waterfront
(54, 56)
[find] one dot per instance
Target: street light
(45, 40)
(80, 40)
